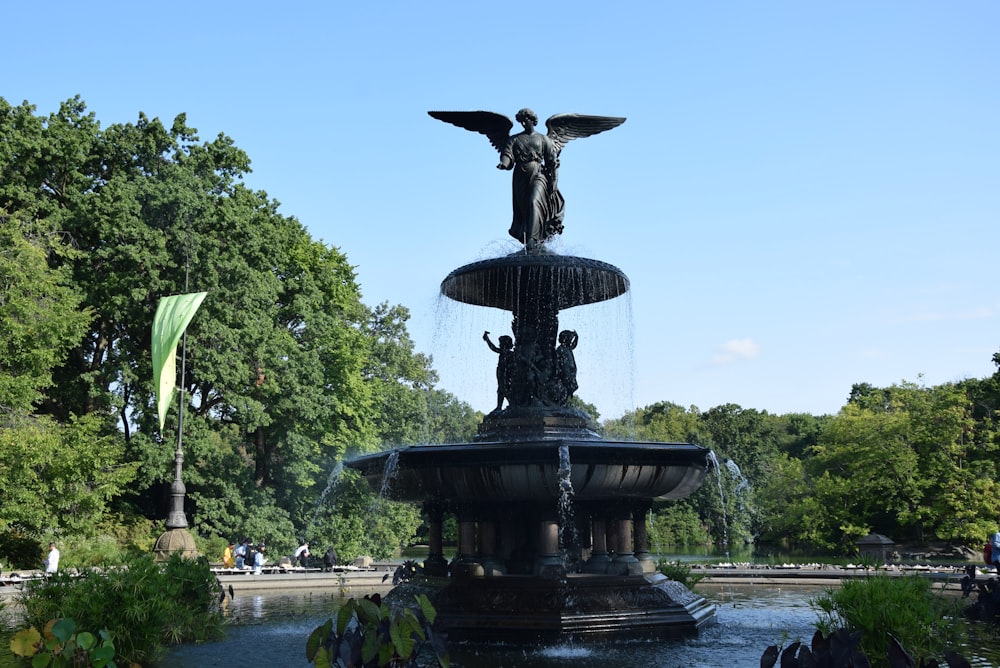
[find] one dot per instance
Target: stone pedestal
(175, 541)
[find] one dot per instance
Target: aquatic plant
(882, 608)
(368, 634)
(679, 572)
(60, 645)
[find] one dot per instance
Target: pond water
(273, 628)
(270, 629)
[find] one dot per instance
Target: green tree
(275, 387)
(40, 318)
(58, 479)
(904, 461)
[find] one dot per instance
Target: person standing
(259, 560)
(301, 554)
(995, 552)
(241, 554)
(330, 559)
(52, 560)
(228, 556)
(250, 558)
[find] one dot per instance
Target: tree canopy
(286, 369)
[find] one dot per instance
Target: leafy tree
(661, 422)
(56, 478)
(287, 371)
(356, 521)
(276, 355)
(904, 461)
(40, 318)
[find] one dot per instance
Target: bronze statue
(505, 367)
(538, 205)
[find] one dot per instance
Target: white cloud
(735, 350)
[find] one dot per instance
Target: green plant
(679, 572)
(868, 562)
(60, 644)
(368, 634)
(145, 605)
(879, 606)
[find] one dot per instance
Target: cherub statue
(534, 157)
(566, 364)
(505, 367)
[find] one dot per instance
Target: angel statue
(534, 157)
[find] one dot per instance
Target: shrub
(879, 606)
(368, 634)
(679, 572)
(144, 605)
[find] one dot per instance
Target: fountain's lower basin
(522, 609)
(552, 536)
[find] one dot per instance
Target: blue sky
(805, 195)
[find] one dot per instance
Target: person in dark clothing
(329, 559)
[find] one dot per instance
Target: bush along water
(144, 606)
(873, 619)
(367, 633)
(679, 572)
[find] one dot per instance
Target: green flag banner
(172, 317)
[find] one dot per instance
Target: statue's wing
(563, 127)
(495, 126)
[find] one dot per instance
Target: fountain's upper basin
(526, 471)
(565, 280)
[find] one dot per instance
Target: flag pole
(176, 519)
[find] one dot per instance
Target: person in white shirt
(301, 554)
(259, 560)
(52, 561)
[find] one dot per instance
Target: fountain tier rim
(503, 282)
(525, 471)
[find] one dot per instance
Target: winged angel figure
(534, 157)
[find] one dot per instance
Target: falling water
(389, 473)
(742, 485)
(722, 500)
(568, 538)
(331, 484)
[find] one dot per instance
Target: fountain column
(547, 561)
(435, 564)
(625, 562)
(641, 537)
(599, 559)
(492, 565)
(468, 564)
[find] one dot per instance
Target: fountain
(551, 518)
